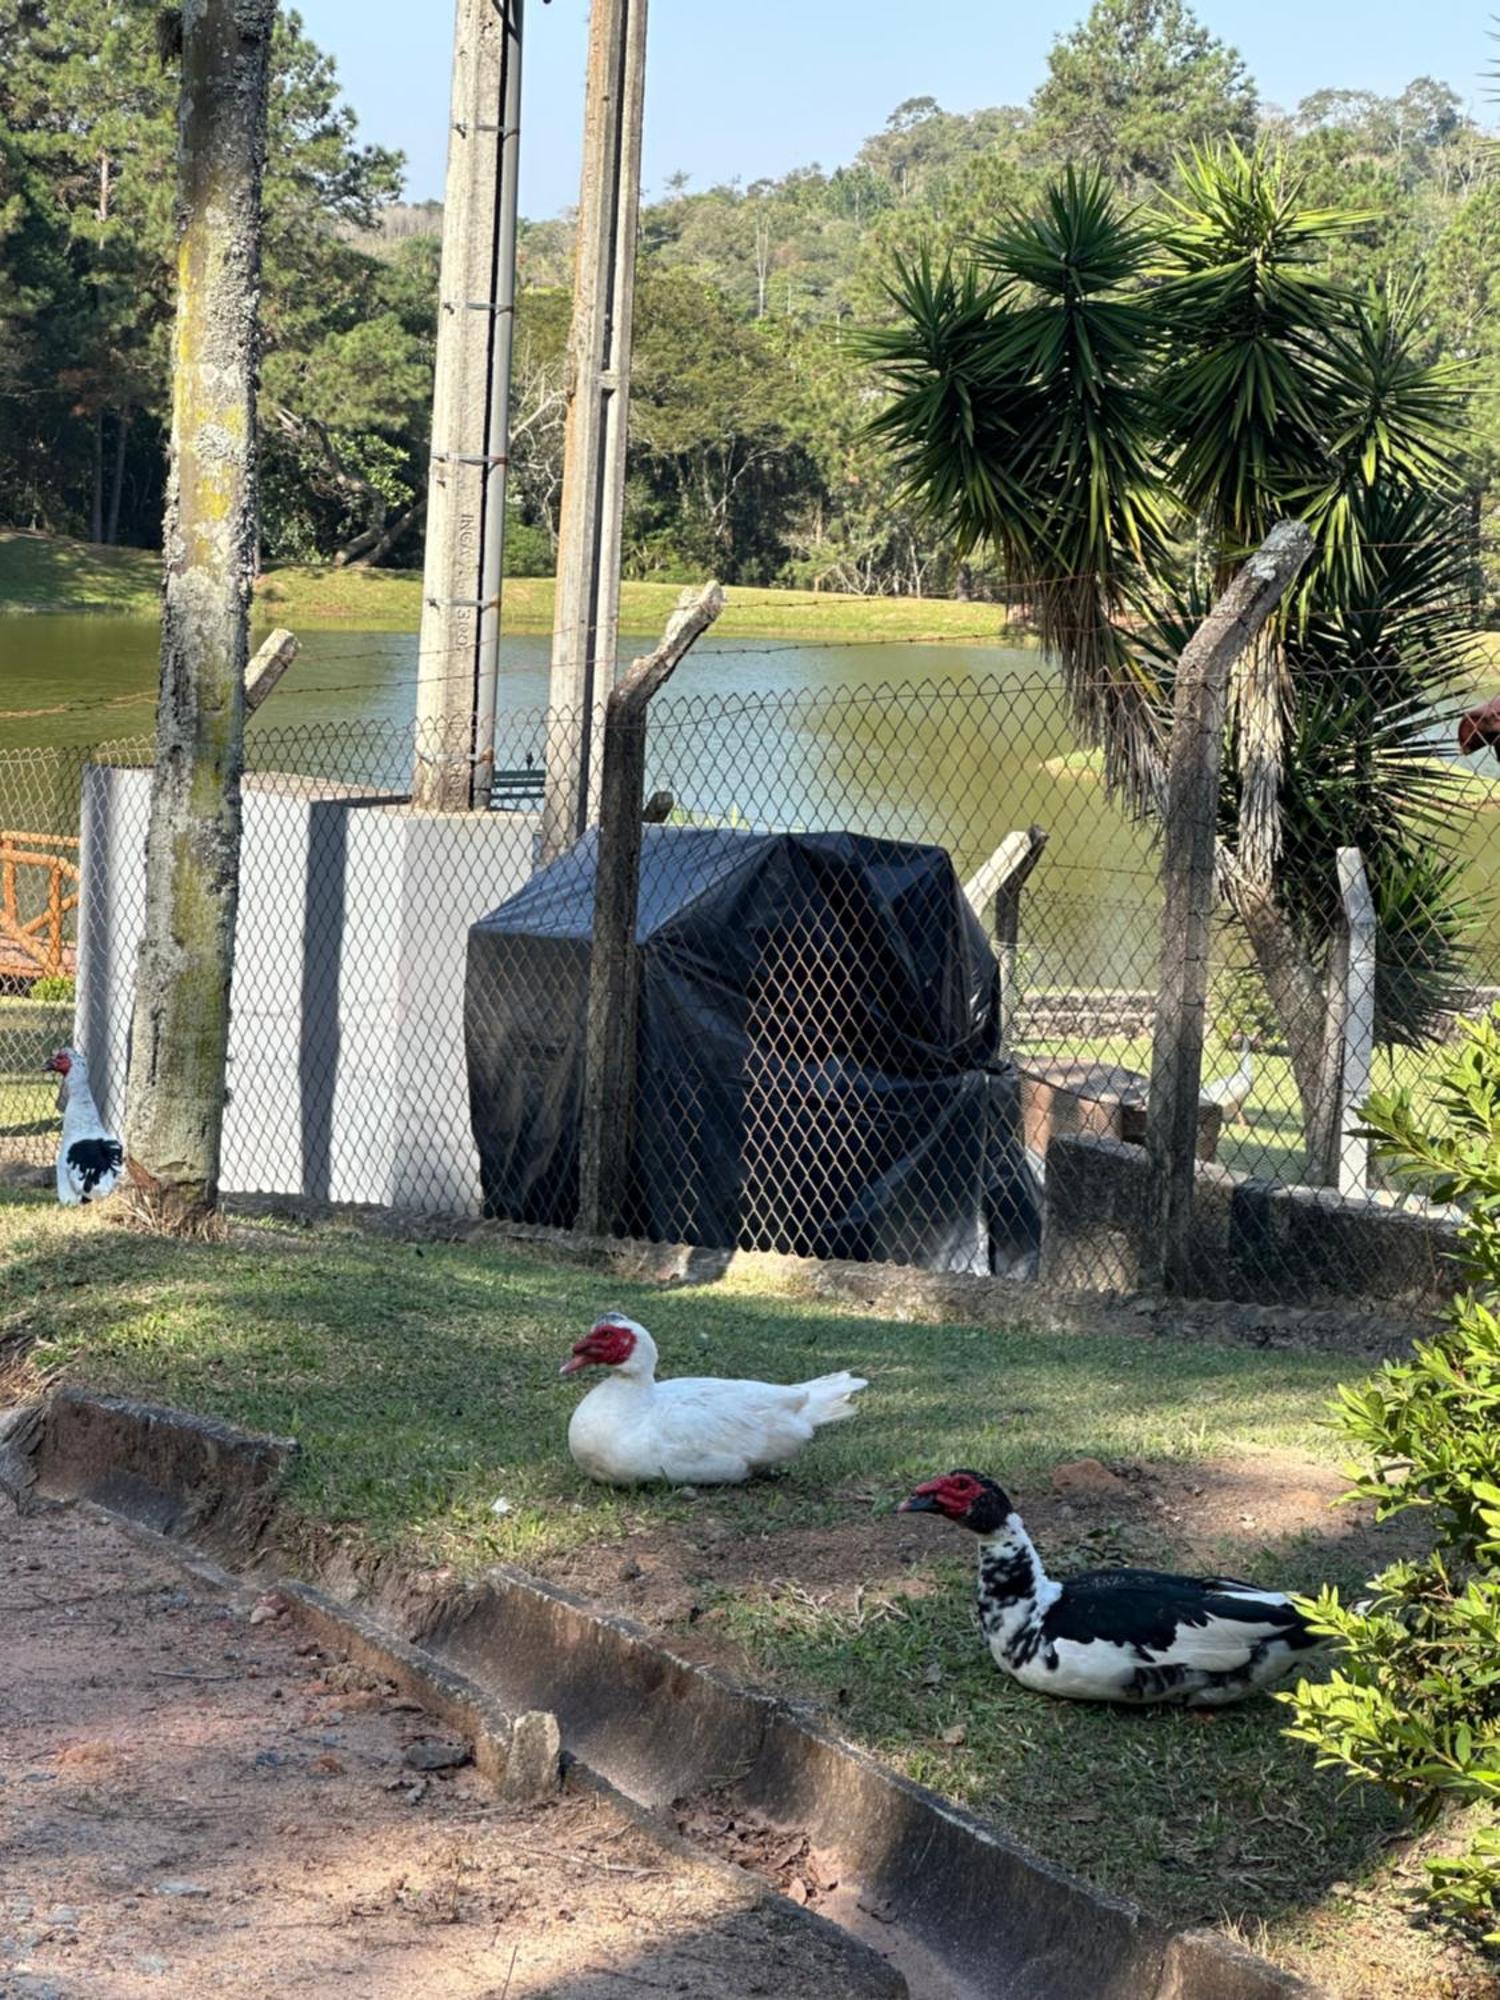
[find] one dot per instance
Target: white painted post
(1359, 1020)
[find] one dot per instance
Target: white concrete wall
(347, 1078)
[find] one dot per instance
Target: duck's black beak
(918, 1503)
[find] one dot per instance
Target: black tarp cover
(816, 1033)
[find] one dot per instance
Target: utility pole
(180, 1027)
(586, 615)
(458, 662)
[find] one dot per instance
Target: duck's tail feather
(831, 1397)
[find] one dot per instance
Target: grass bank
(421, 1381)
(43, 573)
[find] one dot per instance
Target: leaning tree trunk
(180, 1031)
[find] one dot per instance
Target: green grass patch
(422, 1379)
(392, 598)
(1268, 1145)
(49, 573)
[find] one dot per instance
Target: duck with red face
(696, 1430)
(1121, 1635)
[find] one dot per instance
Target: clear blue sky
(753, 89)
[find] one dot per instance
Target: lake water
(954, 744)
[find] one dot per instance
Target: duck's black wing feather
(94, 1162)
(1206, 1622)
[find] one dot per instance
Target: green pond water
(954, 744)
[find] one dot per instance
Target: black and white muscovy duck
(696, 1431)
(1125, 1635)
(91, 1159)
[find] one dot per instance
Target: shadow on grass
(43, 573)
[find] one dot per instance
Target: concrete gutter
(965, 1911)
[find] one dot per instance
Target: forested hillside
(749, 455)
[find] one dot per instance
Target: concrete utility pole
(586, 616)
(457, 670)
(180, 1027)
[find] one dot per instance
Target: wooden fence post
(607, 1118)
(1188, 861)
(273, 656)
(994, 895)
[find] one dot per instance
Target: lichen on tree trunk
(180, 1028)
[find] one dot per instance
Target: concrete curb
(471, 1713)
(997, 1922)
(183, 1475)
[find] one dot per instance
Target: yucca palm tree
(1120, 405)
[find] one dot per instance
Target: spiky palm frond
(1247, 393)
(1395, 420)
(1021, 415)
(1374, 681)
(1082, 390)
(953, 413)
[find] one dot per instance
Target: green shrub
(528, 550)
(56, 989)
(1414, 1704)
(1241, 1005)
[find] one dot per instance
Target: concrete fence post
(1189, 846)
(609, 1052)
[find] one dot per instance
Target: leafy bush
(528, 552)
(1241, 1006)
(55, 990)
(1415, 1702)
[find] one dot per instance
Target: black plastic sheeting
(817, 1027)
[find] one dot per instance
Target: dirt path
(194, 1804)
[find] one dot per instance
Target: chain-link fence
(860, 1025)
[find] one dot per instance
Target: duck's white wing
(699, 1421)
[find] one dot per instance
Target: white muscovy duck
(696, 1431)
(1230, 1092)
(1122, 1635)
(91, 1159)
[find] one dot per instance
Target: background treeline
(748, 449)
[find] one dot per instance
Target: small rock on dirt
(180, 1887)
(533, 1763)
(1086, 1477)
(436, 1753)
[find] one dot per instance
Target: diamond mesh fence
(894, 943)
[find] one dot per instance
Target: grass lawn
(40, 573)
(49, 573)
(29, 1031)
(422, 1383)
(1268, 1145)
